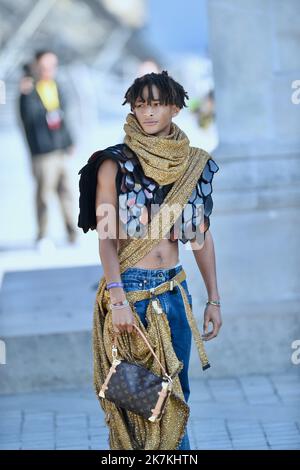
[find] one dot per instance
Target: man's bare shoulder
(107, 173)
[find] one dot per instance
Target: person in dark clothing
(42, 107)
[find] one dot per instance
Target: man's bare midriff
(164, 255)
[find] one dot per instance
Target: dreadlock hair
(170, 91)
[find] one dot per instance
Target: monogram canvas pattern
(134, 388)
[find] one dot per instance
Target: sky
(177, 26)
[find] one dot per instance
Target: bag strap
(149, 346)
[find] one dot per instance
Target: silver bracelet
(123, 304)
(214, 302)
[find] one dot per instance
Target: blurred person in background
(148, 66)
(42, 108)
(204, 108)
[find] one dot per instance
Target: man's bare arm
(206, 261)
(108, 247)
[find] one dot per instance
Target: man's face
(46, 66)
(155, 118)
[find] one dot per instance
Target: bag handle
(150, 347)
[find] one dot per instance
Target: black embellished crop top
(136, 193)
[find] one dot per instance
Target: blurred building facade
(257, 193)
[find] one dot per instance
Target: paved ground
(253, 412)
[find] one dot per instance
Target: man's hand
(212, 314)
(123, 319)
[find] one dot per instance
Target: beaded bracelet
(114, 284)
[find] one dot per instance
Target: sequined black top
(136, 194)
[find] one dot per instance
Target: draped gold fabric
(127, 430)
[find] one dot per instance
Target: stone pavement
(252, 412)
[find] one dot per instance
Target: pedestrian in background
(42, 107)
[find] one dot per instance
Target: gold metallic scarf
(127, 430)
(165, 158)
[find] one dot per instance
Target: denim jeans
(172, 304)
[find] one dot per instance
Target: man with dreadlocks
(142, 196)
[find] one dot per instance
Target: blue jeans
(172, 304)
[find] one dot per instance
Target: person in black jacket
(42, 114)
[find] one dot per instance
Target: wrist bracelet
(121, 302)
(119, 305)
(214, 302)
(114, 284)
